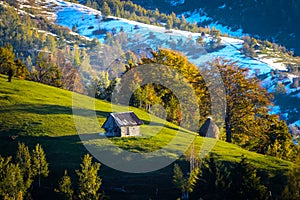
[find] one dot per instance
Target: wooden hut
(209, 129)
(122, 125)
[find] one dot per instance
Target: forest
(267, 19)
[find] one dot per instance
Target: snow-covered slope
(84, 18)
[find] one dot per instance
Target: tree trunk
(228, 133)
(39, 179)
(228, 127)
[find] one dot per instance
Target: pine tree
(23, 159)
(246, 183)
(292, 189)
(89, 181)
(185, 185)
(3, 165)
(178, 178)
(65, 186)
(169, 24)
(39, 163)
(214, 180)
(105, 10)
(11, 184)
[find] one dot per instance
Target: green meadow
(65, 123)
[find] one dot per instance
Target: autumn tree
(46, 71)
(21, 70)
(39, 163)
(77, 60)
(89, 182)
(7, 61)
(245, 100)
(275, 139)
(191, 81)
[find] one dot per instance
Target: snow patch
(176, 2)
(297, 123)
(223, 6)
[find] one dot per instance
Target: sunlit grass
(44, 114)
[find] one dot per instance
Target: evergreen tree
(65, 186)
(105, 10)
(3, 165)
(23, 159)
(89, 182)
(185, 185)
(169, 24)
(214, 179)
(246, 183)
(39, 163)
(11, 184)
(292, 189)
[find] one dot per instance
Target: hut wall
(130, 131)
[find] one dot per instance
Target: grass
(280, 57)
(42, 114)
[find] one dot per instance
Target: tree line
(215, 179)
(131, 11)
(22, 174)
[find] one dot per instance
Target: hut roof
(209, 129)
(126, 119)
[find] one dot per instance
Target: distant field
(42, 114)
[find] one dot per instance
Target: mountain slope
(138, 36)
(31, 109)
(268, 19)
(36, 113)
(271, 65)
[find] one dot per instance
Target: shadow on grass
(46, 109)
(66, 153)
(146, 122)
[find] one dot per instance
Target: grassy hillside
(42, 114)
